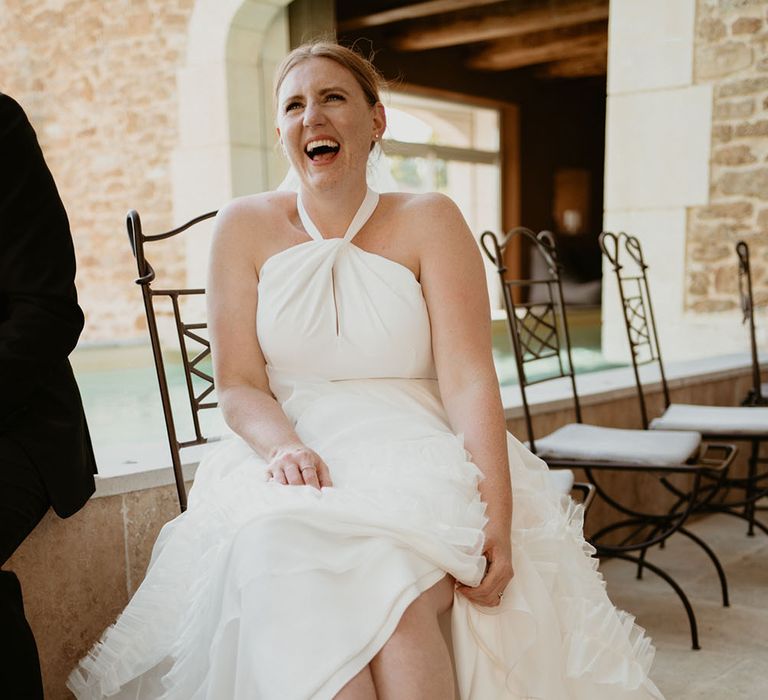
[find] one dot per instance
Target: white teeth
(321, 142)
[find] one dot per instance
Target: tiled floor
(733, 660)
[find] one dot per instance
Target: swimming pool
(584, 325)
(122, 399)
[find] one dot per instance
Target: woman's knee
(431, 603)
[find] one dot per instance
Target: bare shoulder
(252, 213)
(426, 204)
(431, 220)
(250, 226)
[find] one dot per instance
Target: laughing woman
(370, 486)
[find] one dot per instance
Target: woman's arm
(453, 281)
(238, 364)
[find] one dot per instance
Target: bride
(369, 488)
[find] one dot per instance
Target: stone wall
(98, 82)
(731, 54)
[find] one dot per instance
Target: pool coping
(149, 465)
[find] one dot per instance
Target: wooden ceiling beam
(407, 12)
(586, 66)
(497, 23)
(542, 47)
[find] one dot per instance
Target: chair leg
(641, 558)
(749, 508)
(707, 550)
(641, 561)
(713, 557)
(676, 587)
(644, 550)
(663, 543)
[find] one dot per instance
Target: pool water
(584, 329)
(121, 397)
(122, 400)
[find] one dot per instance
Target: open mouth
(322, 149)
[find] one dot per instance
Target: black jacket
(40, 320)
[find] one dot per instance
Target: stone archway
(225, 147)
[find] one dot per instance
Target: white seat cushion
(562, 480)
(598, 444)
(764, 389)
(727, 420)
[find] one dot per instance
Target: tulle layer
(393, 524)
(255, 575)
(556, 634)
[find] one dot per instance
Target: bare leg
(359, 688)
(415, 664)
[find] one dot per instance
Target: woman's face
(325, 124)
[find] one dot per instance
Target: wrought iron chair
(539, 331)
(731, 423)
(758, 394)
(192, 342)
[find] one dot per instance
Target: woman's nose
(313, 114)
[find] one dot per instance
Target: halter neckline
(364, 212)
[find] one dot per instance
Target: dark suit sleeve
(40, 320)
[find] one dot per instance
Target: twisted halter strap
(364, 213)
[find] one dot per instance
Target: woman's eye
(334, 96)
(292, 105)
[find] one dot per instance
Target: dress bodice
(330, 310)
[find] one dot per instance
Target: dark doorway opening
(543, 62)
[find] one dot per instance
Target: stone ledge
(149, 465)
(619, 383)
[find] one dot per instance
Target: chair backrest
(625, 255)
(755, 396)
(538, 329)
(193, 345)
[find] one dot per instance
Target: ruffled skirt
(273, 592)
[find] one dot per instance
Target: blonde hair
(364, 72)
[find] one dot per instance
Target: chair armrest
(587, 491)
(713, 463)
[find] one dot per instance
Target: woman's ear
(379, 121)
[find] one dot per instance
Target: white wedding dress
(269, 592)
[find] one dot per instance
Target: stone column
(226, 134)
(658, 130)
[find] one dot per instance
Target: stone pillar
(658, 130)
(686, 149)
(226, 135)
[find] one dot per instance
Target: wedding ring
(301, 469)
(501, 595)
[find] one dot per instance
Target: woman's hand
(299, 466)
(498, 572)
